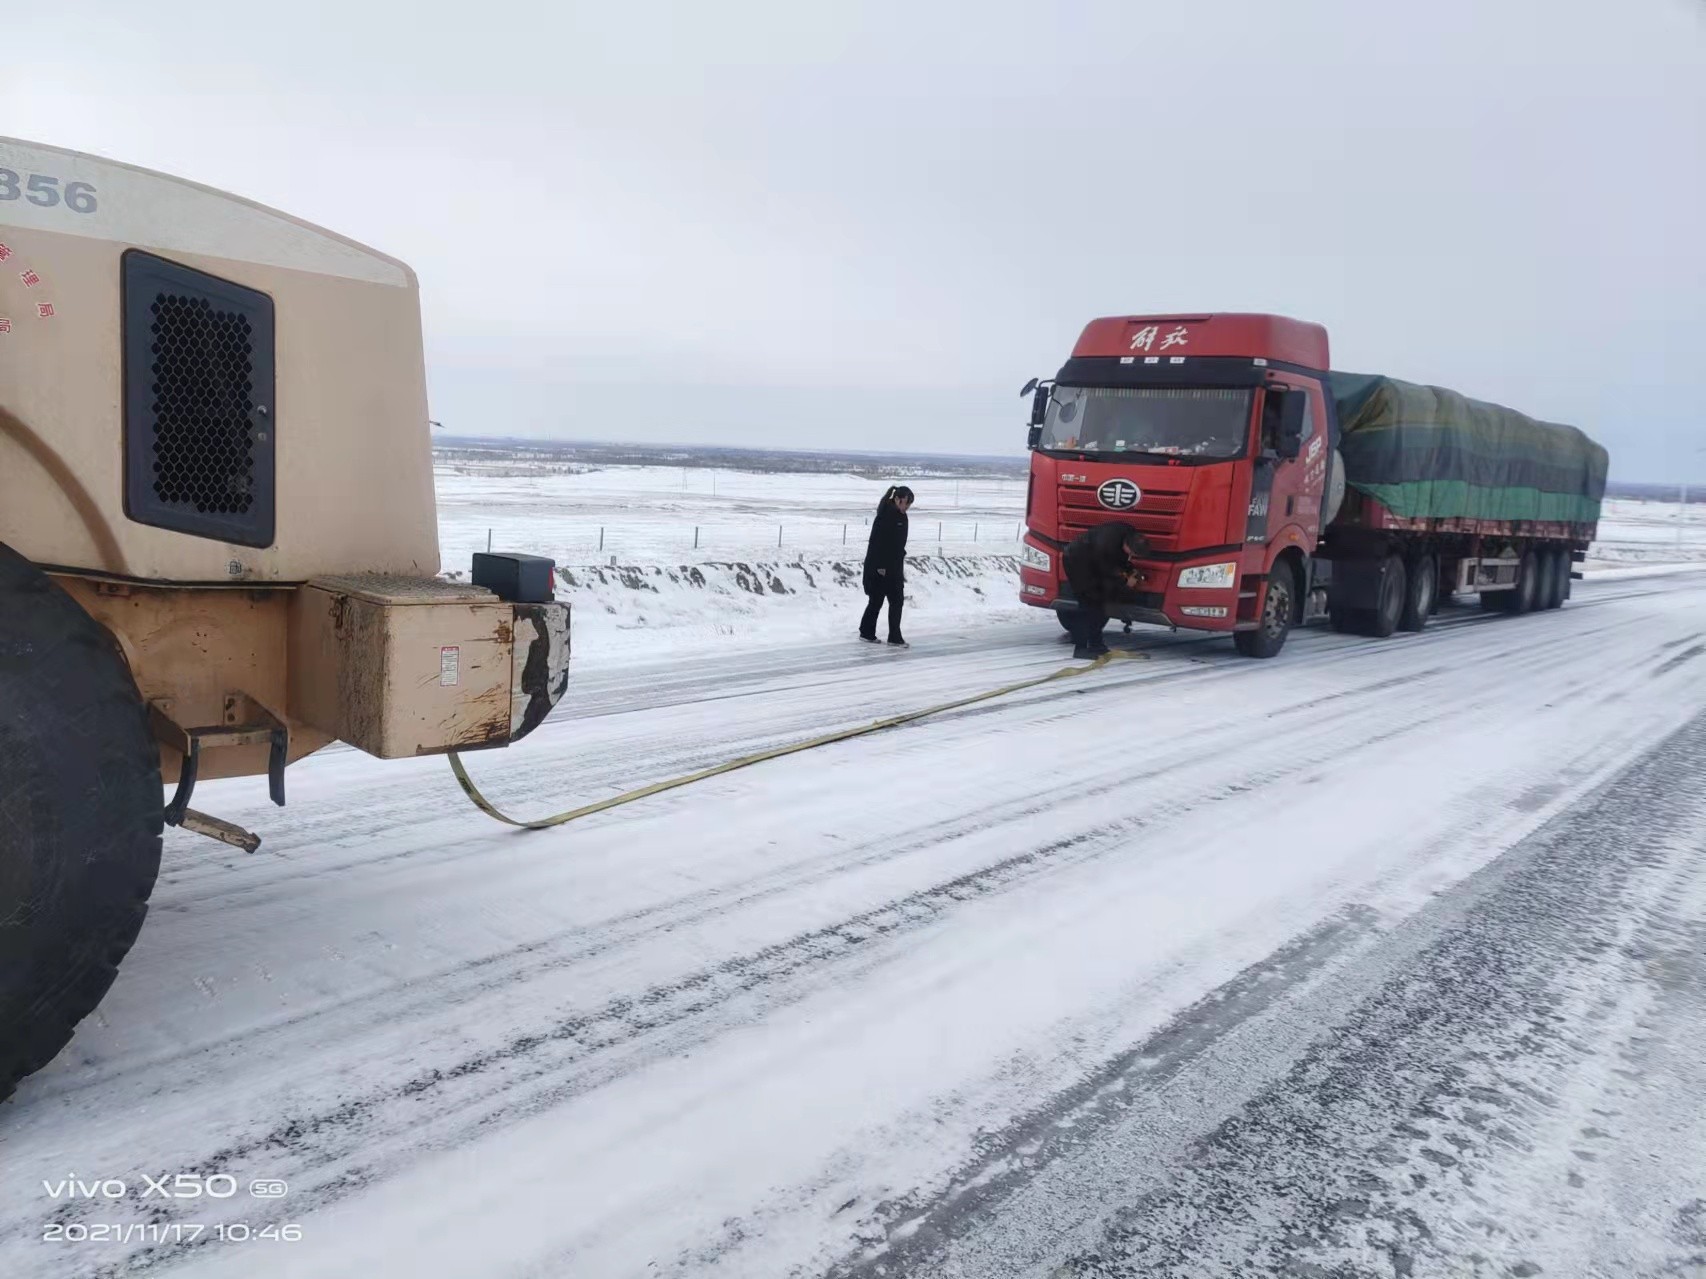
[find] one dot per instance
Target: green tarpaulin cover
(1424, 452)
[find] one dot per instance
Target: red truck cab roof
(1224, 333)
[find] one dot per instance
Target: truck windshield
(1176, 422)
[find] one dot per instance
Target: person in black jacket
(885, 565)
(1099, 567)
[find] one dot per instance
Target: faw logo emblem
(1119, 495)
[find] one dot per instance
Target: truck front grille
(1157, 515)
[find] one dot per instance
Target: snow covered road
(1382, 957)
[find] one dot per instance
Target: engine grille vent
(199, 431)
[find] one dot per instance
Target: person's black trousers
(1086, 623)
(895, 595)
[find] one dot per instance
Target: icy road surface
(1382, 958)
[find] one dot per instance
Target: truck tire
(1279, 611)
(1527, 593)
(81, 814)
(1346, 621)
(1557, 578)
(1421, 593)
(1383, 619)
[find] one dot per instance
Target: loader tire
(81, 813)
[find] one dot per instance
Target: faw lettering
(1145, 338)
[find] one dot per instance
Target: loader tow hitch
(190, 742)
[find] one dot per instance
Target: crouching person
(1099, 568)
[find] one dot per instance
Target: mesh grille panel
(199, 430)
(203, 394)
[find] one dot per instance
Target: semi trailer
(218, 549)
(1273, 490)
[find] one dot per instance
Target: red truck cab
(1211, 435)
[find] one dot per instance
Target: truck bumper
(1165, 605)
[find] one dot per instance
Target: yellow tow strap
(747, 761)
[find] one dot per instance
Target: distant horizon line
(1010, 459)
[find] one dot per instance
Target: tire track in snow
(1382, 1149)
(779, 974)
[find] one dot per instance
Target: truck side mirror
(1290, 422)
(1039, 402)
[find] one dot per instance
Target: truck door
(1287, 492)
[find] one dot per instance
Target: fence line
(669, 536)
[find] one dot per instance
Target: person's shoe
(900, 643)
(1081, 653)
(1099, 650)
(869, 639)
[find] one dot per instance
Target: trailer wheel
(1527, 593)
(1421, 592)
(1279, 609)
(1557, 579)
(1394, 589)
(81, 812)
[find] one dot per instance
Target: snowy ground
(1380, 958)
(738, 585)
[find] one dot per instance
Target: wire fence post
(778, 535)
(488, 539)
(938, 532)
(695, 537)
(974, 532)
(844, 535)
(601, 538)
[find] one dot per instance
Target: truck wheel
(1420, 593)
(1394, 589)
(1346, 621)
(1527, 592)
(81, 812)
(1557, 578)
(1279, 609)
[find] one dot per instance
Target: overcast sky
(864, 225)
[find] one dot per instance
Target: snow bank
(638, 611)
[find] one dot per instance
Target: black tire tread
(39, 1013)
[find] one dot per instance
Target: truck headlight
(1217, 577)
(1035, 557)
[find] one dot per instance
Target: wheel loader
(218, 549)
